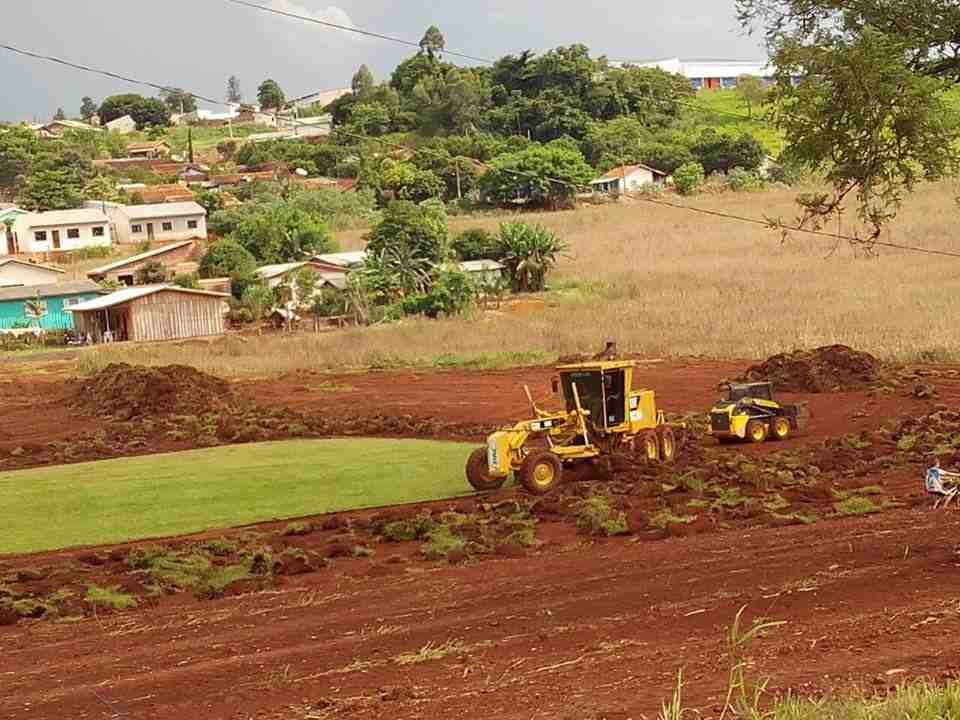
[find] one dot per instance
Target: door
(56, 239)
(150, 232)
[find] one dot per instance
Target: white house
(122, 125)
(627, 179)
(62, 230)
(15, 272)
(163, 222)
(275, 275)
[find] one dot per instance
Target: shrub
(477, 244)
(258, 300)
(740, 180)
(451, 293)
(688, 178)
(187, 280)
(153, 273)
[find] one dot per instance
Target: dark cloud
(197, 44)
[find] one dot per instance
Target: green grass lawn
(161, 495)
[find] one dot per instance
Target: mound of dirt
(827, 369)
(125, 392)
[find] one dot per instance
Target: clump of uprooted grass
(195, 571)
(112, 597)
(597, 516)
(663, 282)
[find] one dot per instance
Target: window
(136, 228)
(191, 224)
(73, 233)
(40, 236)
(168, 227)
(98, 231)
(70, 302)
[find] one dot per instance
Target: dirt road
(583, 630)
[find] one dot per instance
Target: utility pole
(459, 192)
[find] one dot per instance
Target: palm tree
(530, 252)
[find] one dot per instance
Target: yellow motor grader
(603, 415)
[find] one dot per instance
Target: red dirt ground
(582, 629)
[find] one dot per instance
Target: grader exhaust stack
(603, 415)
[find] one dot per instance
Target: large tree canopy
(860, 95)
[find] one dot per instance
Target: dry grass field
(664, 282)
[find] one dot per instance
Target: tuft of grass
(297, 528)
(441, 541)
(112, 597)
(596, 516)
(665, 517)
(856, 505)
(917, 701)
(430, 652)
(407, 530)
(218, 579)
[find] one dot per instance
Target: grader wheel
(650, 445)
(541, 472)
(668, 445)
(478, 472)
(757, 431)
(780, 428)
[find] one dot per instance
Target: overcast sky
(197, 44)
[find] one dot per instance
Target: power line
(104, 73)
(349, 28)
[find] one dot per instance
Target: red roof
(624, 170)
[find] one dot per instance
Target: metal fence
(51, 321)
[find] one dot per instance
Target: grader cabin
(152, 313)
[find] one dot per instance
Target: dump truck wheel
(650, 445)
(668, 445)
(478, 472)
(541, 472)
(757, 431)
(780, 428)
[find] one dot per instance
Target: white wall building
(709, 74)
(15, 272)
(62, 230)
(164, 222)
(121, 125)
(627, 179)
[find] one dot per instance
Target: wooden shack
(152, 313)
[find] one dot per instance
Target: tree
(227, 258)
(279, 233)
(414, 236)
(433, 42)
(860, 96)
(540, 175)
(362, 81)
(178, 101)
(234, 91)
(88, 108)
(617, 142)
(153, 273)
(369, 118)
(146, 112)
(270, 95)
(102, 187)
(688, 178)
(18, 148)
(454, 101)
(751, 91)
(721, 153)
(529, 252)
(51, 190)
(60, 114)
